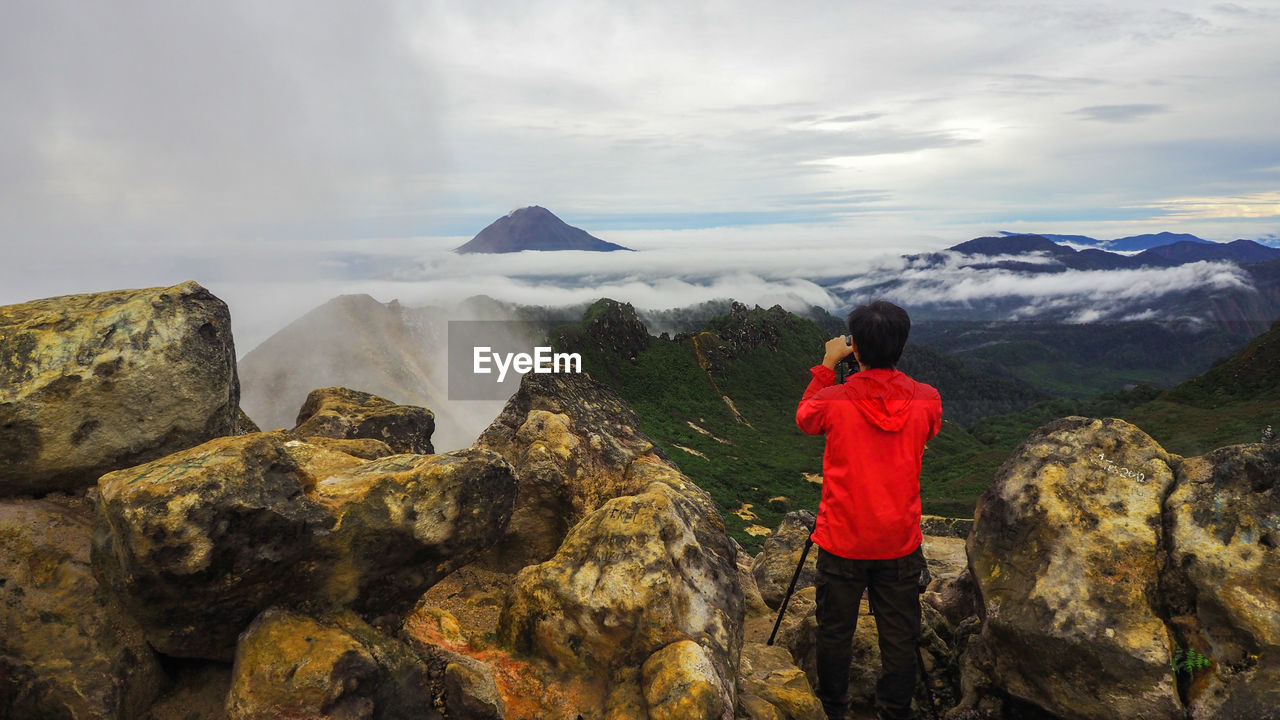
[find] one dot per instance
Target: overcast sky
(282, 152)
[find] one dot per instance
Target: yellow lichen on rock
(96, 382)
(677, 685)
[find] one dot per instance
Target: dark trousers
(895, 600)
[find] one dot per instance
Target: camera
(849, 362)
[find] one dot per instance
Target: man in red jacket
(868, 528)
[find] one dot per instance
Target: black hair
(879, 329)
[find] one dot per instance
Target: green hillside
(1080, 360)
(1228, 404)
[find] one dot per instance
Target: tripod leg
(782, 609)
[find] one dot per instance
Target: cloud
(1085, 295)
(1252, 205)
(1120, 113)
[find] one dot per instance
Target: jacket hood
(883, 395)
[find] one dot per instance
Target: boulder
(572, 442)
(634, 576)
(955, 600)
(333, 665)
(753, 603)
(338, 412)
(245, 424)
(93, 383)
(951, 590)
(66, 649)
(1223, 583)
(680, 683)
(1064, 557)
(470, 690)
(776, 564)
(198, 543)
(771, 687)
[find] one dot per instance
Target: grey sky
(300, 146)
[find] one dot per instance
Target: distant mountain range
(533, 228)
(1132, 242)
(1033, 278)
(1177, 252)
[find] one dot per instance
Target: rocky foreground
(160, 558)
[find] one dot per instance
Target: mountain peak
(533, 228)
(530, 210)
(1009, 245)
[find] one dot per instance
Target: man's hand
(836, 351)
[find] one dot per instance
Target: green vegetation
(1229, 404)
(1079, 361)
(1188, 661)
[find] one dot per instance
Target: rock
(945, 526)
(955, 600)
(337, 412)
(572, 442)
(332, 666)
(946, 557)
(771, 686)
(680, 684)
(470, 691)
(93, 383)
(951, 591)
(1223, 584)
(199, 692)
(634, 576)
(776, 564)
(753, 603)
(625, 699)
(245, 424)
(613, 329)
(362, 448)
(493, 682)
(1064, 556)
(66, 649)
(198, 543)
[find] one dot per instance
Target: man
(868, 528)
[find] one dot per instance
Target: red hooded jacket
(876, 425)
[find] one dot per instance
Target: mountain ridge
(1178, 252)
(1132, 242)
